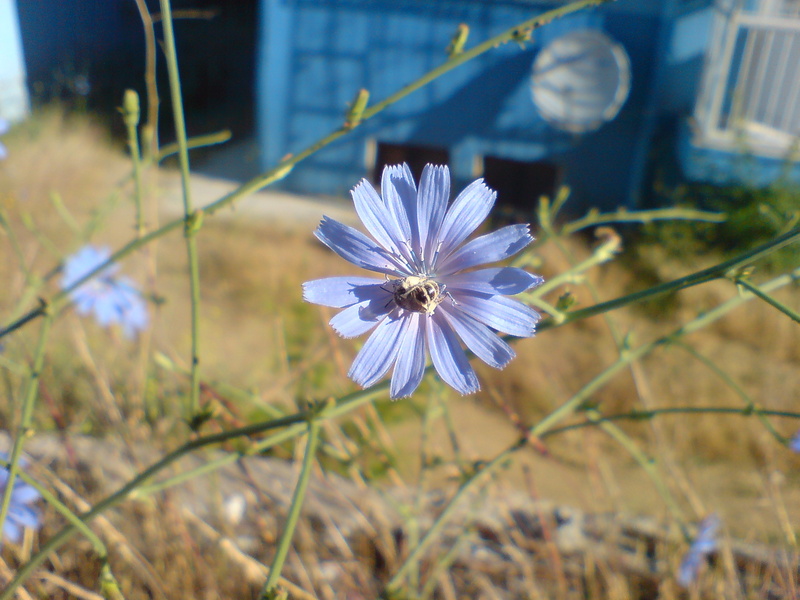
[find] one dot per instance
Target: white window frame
(753, 118)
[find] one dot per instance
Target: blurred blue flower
(425, 302)
(4, 127)
(112, 299)
(20, 512)
(794, 443)
(704, 544)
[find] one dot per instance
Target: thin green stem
(652, 413)
(575, 402)
(130, 115)
(594, 218)
(438, 526)
(190, 231)
(285, 541)
(746, 283)
(716, 272)
(731, 383)
(644, 461)
(24, 429)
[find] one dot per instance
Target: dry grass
(263, 346)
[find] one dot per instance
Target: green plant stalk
(285, 541)
(28, 402)
(607, 250)
(191, 409)
(716, 272)
(392, 587)
(441, 566)
(652, 413)
(55, 542)
(571, 405)
(150, 129)
(345, 405)
(731, 383)
(594, 218)
(58, 203)
(645, 462)
(200, 141)
(745, 283)
(130, 114)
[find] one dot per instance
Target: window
(416, 157)
(519, 185)
(750, 95)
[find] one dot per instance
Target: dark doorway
(416, 157)
(519, 185)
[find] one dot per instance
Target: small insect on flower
(430, 296)
(417, 294)
(21, 512)
(112, 298)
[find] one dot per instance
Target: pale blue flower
(4, 127)
(426, 302)
(113, 299)
(21, 513)
(794, 443)
(704, 544)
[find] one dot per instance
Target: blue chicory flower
(4, 127)
(704, 544)
(21, 513)
(426, 301)
(112, 298)
(794, 443)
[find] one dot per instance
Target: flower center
(417, 294)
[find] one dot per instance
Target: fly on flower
(428, 298)
(112, 298)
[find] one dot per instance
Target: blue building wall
(314, 56)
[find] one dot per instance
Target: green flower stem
(733, 385)
(24, 430)
(150, 129)
(130, 115)
(647, 464)
(594, 218)
(746, 283)
(571, 405)
(480, 474)
(200, 141)
(652, 413)
(192, 406)
(716, 272)
(285, 541)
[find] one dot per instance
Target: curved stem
(294, 510)
(23, 431)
